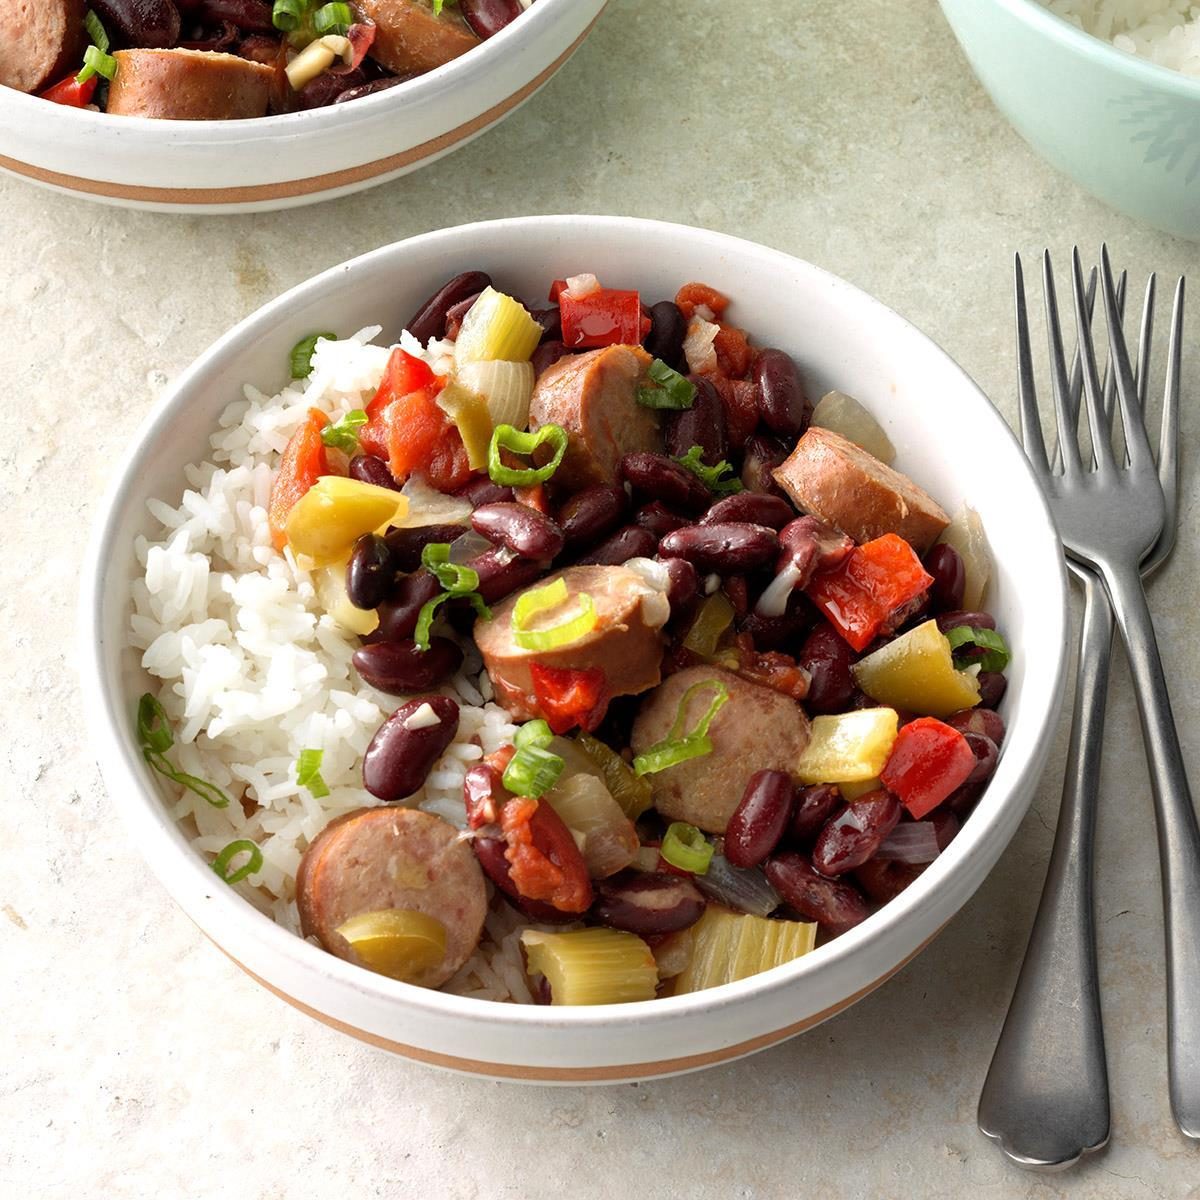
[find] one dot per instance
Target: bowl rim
(1104, 53)
(164, 846)
(478, 60)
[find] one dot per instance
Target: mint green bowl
(1125, 129)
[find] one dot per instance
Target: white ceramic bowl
(948, 437)
(295, 158)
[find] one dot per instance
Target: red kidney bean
(757, 508)
(836, 905)
(398, 614)
(814, 806)
(992, 686)
(149, 24)
(782, 402)
(656, 477)
(630, 541)
(647, 903)
(400, 668)
(322, 91)
(455, 315)
(976, 620)
(701, 425)
(250, 16)
(546, 355)
(500, 573)
(945, 826)
(550, 319)
(883, 880)
(978, 720)
(812, 546)
(761, 455)
(482, 786)
(730, 547)
(406, 542)
(667, 332)
(827, 658)
(780, 633)
(488, 17)
(589, 515)
(945, 564)
(375, 85)
(760, 818)
(684, 584)
(961, 802)
(366, 468)
(481, 490)
(852, 836)
(400, 755)
(986, 756)
(659, 519)
(371, 572)
(519, 528)
(430, 319)
(490, 853)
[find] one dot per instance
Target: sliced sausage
(40, 42)
(382, 858)
(758, 729)
(625, 642)
(593, 396)
(408, 37)
(842, 484)
(189, 85)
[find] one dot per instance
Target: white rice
(253, 672)
(1166, 32)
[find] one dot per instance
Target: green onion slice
(333, 18)
(996, 654)
(426, 615)
(457, 579)
(685, 847)
(568, 630)
(308, 773)
(343, 433)
(254, 863)
(677, 746)
(205, 790)
(506, 437)
(711, 476)
(438, 5)
(668, 389)
(532, 771)
(96, 62)
(96, 31)
(300, 358)
(153, 725)
(535, 733)
(286, 16)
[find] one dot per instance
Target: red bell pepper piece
(304, 461)
(871, 583)
(929, 761)
(556, 289)
(692, 295)
(605, 317)
(71, 92)
(448, 467)
(568, 696)
(545, 862)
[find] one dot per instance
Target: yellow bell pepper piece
(397, 942)
(335, 512)
(916, 672)
(848, 747)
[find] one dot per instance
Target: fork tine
(1110, 379)
(1068, 421)
(1101, 431)
(1031, 425)
(1137, 446)
(1076, 385)
(1141, 369)
(1168, 441)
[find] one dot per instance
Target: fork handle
(1178, 846)
(1045, 1099)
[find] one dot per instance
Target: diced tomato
(304, 461)
(691, 295)
(605, 317)
(929, 761)
(772, 669)
(733, 351)
(545, 862)
(871, 583)
(741, 408)
(567, 696)
(71, 92)
(448, 468)
(556, 289)
(533, 497)
(403, 374)
(405, 432)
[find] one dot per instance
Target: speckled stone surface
(137, 1061)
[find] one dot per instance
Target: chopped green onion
(568, 630)
(96, 31)
(96, 62)
(254, 863)
(333, 18)
(300, 358)
(534, 733)
(710, 476)
(343, 433)
(287, 16)
(505, 437)
(425, 617)
(532, 771)
(996, 654)
(308, 773)
(685, 847)
(205, 790)
(677, 746)
(669, 390)
(457, 579)
(155, 738)
(438, 5)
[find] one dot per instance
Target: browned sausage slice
(757, 729)
(408, 37)
(382, 858)
(593, 396)
(625, 642)
(842, 484)
(40, 42)
(189, 85)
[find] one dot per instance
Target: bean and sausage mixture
(215, 60)
(756, 694)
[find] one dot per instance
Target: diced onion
(316, 58)
(774, 600)
(745, 890)
(506, 387)
(965, 534)
(428, 506)
(579, 286)
(843, 414)
(910, 842)
(698, 345)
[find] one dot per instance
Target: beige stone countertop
(137, 1061)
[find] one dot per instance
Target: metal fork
(1046, 1095)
